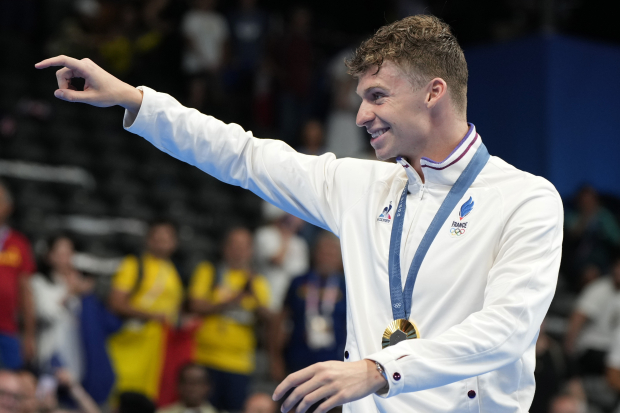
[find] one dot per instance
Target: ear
(436, 90)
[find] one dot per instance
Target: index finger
(292, 380)
(61, 60)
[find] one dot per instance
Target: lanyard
(4, 234)
(330, 295)
(401, 300)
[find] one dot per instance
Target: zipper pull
(421, 191)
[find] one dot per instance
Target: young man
(485, 263)
(193, 386)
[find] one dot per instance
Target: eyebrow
(372, 87)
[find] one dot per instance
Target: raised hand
(100, 88)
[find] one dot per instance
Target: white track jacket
(482, 291)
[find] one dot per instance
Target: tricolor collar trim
(467, 142)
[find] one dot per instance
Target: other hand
(100, 88)
(335, 381)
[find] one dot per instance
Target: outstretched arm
(310, 187)
(101, 89)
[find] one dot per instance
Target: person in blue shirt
(312, 325)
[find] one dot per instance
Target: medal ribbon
(330, 295)
(401, 300)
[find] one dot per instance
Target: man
(10, 392)
(280, 253)
(231, 297)
(567, 403)
(193, 388)
(490, 262)
(16, 301)
(591, 327)
(147, 292)
(259, 403)
(316, 307)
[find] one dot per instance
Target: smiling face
(393, 111)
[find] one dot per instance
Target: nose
(364, 114)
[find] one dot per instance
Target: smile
(377, 133)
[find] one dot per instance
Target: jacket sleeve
(302, 185)
(519, 290)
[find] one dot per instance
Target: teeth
(378, 133)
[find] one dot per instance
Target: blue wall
(550, 106)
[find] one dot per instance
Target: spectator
(297, 69)
(147, 292)
(206, 33)
(10, 392)
(16, 302)
(193, 385)
(249, 26)
(343, 137)
(316, 305)
(28, 383)
(593, 322)
(260, 403)
(567, 403)
(73, 322)
(281, 254)
(312, 142)
(592, 234)
(57, 294)
(230, 296)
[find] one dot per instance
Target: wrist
(132, 99)
(380, 384)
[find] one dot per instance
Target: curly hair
(424, 47)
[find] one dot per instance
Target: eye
(377, 95)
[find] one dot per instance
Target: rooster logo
(386, 212)
(466, 208)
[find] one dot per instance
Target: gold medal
(399, 330)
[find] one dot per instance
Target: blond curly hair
(424, 47)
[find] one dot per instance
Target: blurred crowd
(157, 336)
(149, 341)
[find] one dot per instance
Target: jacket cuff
(393, 371)
(143, 116)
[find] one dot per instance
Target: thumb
(74, 95)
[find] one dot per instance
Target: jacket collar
(447, 171)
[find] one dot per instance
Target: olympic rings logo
(457, 232)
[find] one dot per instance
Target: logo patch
(459, 228)
(385, 215)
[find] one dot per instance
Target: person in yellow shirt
(231, 297)
(147, 292)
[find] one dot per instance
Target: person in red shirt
(16, 302)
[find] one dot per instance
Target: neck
(441, 139)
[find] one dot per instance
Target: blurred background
(543, 93)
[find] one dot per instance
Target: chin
(384, 156)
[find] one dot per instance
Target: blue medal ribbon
(401, 300)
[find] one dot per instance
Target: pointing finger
(61, 60)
